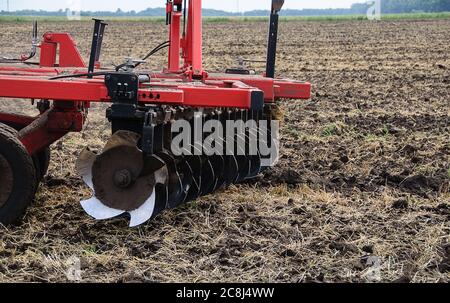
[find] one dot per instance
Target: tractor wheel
(18, 177)
(41, 159)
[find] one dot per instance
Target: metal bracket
(97, 41)
(148, 134)
(123, 88)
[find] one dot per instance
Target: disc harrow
(177, 134)
(126, 180)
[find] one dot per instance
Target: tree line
(387, 7)
(405, 6)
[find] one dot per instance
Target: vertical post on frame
(94, 45)
(175, 14)
(194, 43)
(273, 38)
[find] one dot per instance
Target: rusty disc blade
(122, 138)
(117, 174)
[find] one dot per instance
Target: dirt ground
(361, 193)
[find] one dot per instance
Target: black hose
(154, 51)
(81, 75)
(157, 49)
(119, 67)
(10, 61)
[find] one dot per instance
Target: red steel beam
(193, 44)
(174, 38)
(51, 126)
(15, 120)
(94, 90)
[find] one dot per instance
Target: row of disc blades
(124, 180)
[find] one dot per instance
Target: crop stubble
(361, 192)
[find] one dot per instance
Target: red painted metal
(41, 88)
(94, 90)
(51, 126)
(289, 89)
(186, 85)
(68, 52)
(193, 44)
(174, 37)
(16, 121)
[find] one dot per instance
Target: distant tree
(387, 6)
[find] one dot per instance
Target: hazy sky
(228, 5)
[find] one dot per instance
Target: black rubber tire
(41, 159)
(24, 177)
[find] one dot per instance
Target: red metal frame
(69, 56)
(174, 36)
(187, 84)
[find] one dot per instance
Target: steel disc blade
(195, 167)
(161, 199)
(207, 177)
(219, 164)
(186, 177)
(244, 168)
(231, 172)
(255, 167)
(162, 175)
(176, 192)
(84, 166)
(122, 138)
(267, 161)
(161, 190)
(195, 164)
(143, 213)
(99, 211)
(121, 164)
(219, 169)
(255, 160)
(152, 164)
(161, 179)
(243, 161)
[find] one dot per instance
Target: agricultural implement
(139, 173)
